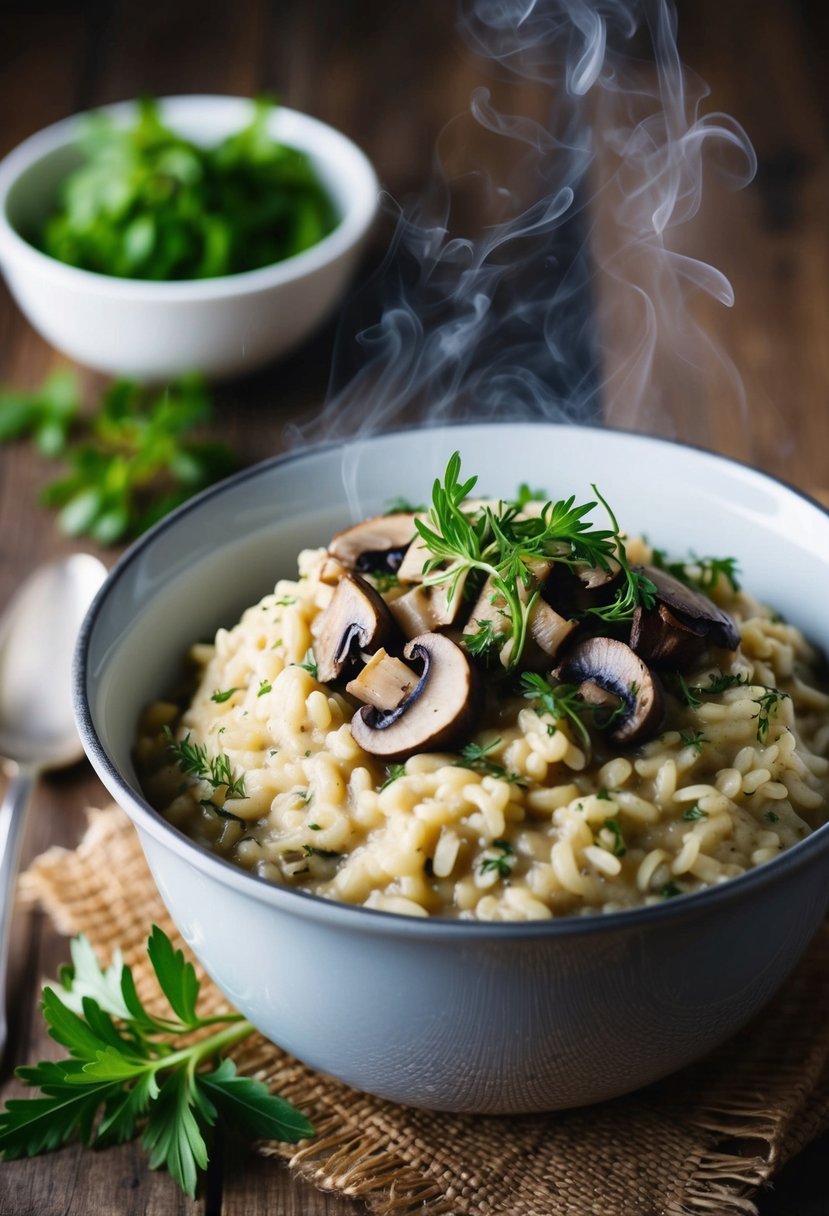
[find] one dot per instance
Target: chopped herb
(689, 695)
(384, 580)
(694, 739)
(131, 1071)
(192, 758)
(219, 810)
(603, 795)
(285, 601)
(769, 704)
(219, 697)
(303, 796)
(498, 544)
(503, 863)
(722, 681)
(314, 827)
(475, 757)
(670, 890)
(564, 701)
(772, 816)
(695, 812)
(264, 686)
(401, 506)
(525, 495)
(309, 664)
(393, 773)
(486, 640)
(311, 850)
(701, 572)
(46, 413)
(611, 839)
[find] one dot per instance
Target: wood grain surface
(391, 75)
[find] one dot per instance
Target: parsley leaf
(502, 862)
(220, 697)
(694, 739)
(769, 703)
(474, 756)
(393, 773)
(129, 1071)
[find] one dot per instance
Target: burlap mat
(699, 1144)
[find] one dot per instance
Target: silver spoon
(38, 631)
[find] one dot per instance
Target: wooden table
(390, 74)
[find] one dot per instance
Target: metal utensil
(37, 729)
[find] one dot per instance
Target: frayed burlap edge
(699, 1144)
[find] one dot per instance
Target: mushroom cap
(440, 711)
(693, 608)
(378, 543)
(356, 619)
(613, 666)
(659, 637)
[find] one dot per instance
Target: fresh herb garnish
(769, 704)
(193, 759)
(311, 850)
(402, 506)
(393, 773)
(130, 1071)
(564, 701)
(486, 639)
(701, 572)
(694, 812)
(384, 580)
(476, 757)
(772, 817)
(525, 495)
(670, 890)
(314, 827)
(610, 838)
(496, 543)
(309, 665)
(694, 739)
(603, 796)
(220, 697)
(264, 686)
(503, 863)
(146, 203)
(285, 602)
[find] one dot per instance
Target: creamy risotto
(625, 758)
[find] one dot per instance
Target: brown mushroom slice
(613, 666)
(357, 619)
(693, 608)
(574, 589)
(384, 681)
(439, 712)
(379, 543)
(417, 555)
(548, 631)
(659, 637)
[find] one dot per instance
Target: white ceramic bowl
(154, 331)
(437, 1013)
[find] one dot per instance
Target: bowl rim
(360, 206)
(377, 921)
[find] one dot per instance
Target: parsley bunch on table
(130, 1071)
(129, 462)
(146, 203)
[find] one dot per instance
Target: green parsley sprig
(131, 1072)
(477, 757)
(194, 760)
(701, 572)
(498, 543)
(564, 702)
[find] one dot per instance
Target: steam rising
(572, 301)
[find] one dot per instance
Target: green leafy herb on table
(149, 204)
(130, 461)
(130, 1071)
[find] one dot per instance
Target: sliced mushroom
(416, 557)
(441, 710)
(547, 629)
(693, 608)
(574, 589)
(384, 681)
(357, 619)
(424, 609)
(659, 637)
(612, 666)
(378, 543)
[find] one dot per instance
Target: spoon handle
(12, 819)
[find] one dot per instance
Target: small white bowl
(153, 331)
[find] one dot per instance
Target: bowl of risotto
(483, 767)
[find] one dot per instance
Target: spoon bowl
(37, 730)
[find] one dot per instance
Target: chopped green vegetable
(564, 701)
(476, 757)
(136, 461)
(772, 817)
(220, 697)
(694, 812)
(309, 665)
(496, 543)
(503, 863)
(130, 1071)
(149, 204)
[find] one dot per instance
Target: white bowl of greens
(218, 272)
